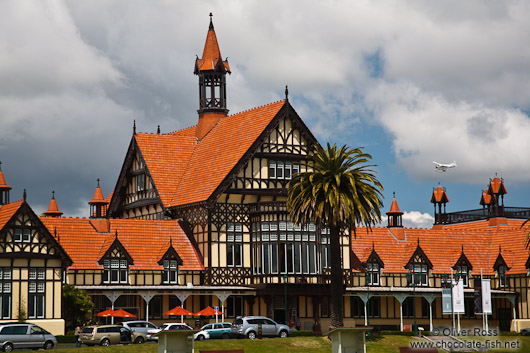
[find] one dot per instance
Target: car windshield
(87, 330)
(238, 322)
(163, 327)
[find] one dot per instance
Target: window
(140, 182)
(325, 307)
(282, 169)
(36, 292)
(419, 274)
(22, 235)
(372, 269)
(234, 246)
(115, 271)
(5, 292)
(463, 272)
(501, 273)
(408, 308)
(234, 306)
(285, 248)
(170, 273)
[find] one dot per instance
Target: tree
(338, 190)
(77, 305)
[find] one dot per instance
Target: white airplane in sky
(440, 167)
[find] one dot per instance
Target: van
(25, 335)
(106, 335)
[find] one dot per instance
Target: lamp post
(285, 298)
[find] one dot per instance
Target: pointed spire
(24, 195)
(211, 22)
(53, 209)
(286, 93)
(4, 188)
(158, 130)
(98, 204)
(134, 127)
(395, 216)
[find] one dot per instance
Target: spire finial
(116, 234)
(24, 195)
(0, 166)
(286, 93)
(98, 182)
(134, 127)
(462, 248)
(211, 21)
(394, 195)
(158, 130)
(53, 194)
(418, 241)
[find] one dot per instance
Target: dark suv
(250, 326)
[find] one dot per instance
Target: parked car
(525, 332)
(201, 335)
(248, 326)
(218, 329)
(110, 334)
(140, 326)
(25, 335)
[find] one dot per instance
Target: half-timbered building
(198, 217)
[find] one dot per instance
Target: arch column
(401, 298)
(430, 298)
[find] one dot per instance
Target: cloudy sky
(413, 82)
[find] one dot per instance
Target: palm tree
(337, 190)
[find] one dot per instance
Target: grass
(376, 344)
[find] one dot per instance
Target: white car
(201, 335)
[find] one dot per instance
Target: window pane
(279, 170)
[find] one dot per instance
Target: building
(198, 217)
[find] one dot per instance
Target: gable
(116, 250)
(135, 186)
(24, 235)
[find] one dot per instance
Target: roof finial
(211, 21)
(98, 182)
(394, 195)
(462, 248)
(116, 234)
(134, 127)
(418, 241)
(53, 194)
(0, 166)
(158, 130)
(373, 246)
(286, 93)
(24, 195)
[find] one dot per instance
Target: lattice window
(373, 273)
(419, 272)
(36, 292)
(170, 273)
(115, 270)
(282, 169)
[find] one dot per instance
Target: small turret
(4, 188)
(98, 204)
(395, 216)
(53, 209)
(439, 198)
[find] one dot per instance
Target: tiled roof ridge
(255, 108)
(167, 133)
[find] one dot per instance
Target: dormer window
(463, 273)
(419, 274)
(373, 273)
(170, 274)
(115, 271)
(501, 273)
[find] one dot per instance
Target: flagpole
(481, 304)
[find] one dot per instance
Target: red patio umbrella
(105, 313)
(121, 313)
(208, 311)
(178, 311)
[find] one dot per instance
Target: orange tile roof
(394, 208)
(497, 186)
(3, 184)
(443, 247)
(186, 170)
(7, 211)
(53, 209)
(211, 53)
(98, 196)
(439, 195)
(145, 240)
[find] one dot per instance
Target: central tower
(211, 70)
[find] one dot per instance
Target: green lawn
(379, 344)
